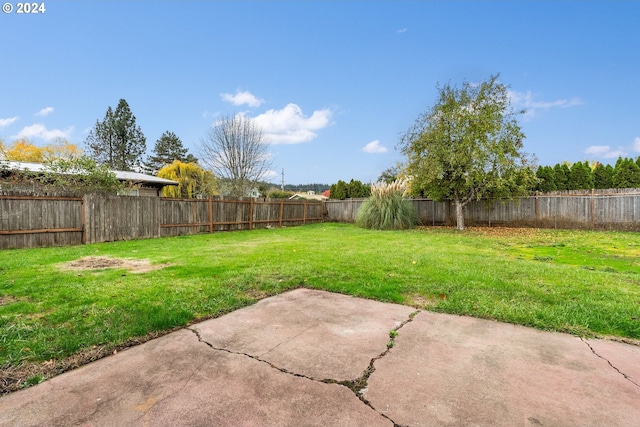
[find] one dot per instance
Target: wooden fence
(596, 210)
(34, 221)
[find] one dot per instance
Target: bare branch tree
(236, 150)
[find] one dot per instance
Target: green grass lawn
(582, 282)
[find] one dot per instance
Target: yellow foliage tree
(61, 149)
(23, 150)
(193, 181)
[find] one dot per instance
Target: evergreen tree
(117, 141)
(626, 174)
(580, 177)
(562, 172)
(167, 149)
(338, 190)
(546, 179)
(603, 176)
(356, 189)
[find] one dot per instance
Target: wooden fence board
(598, 209)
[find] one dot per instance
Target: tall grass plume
(387, 208)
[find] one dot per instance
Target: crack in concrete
(626, 377)
(287, 340)
(358, 386)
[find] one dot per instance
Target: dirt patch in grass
(7, 299)
(421, 302)
(102, 262)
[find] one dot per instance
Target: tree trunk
(459, 215)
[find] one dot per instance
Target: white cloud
(635, 146)
(241, 98)
(7, 122)
(270, 174)
(401, 30)
(45, 112)
(525, 100)
(290, 126)
(606, 152)
(38, 130)
(374, 147)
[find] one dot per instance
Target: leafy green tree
(389, 175)
(580, 177)
(626, 174)
(338, 190)
(603, 176)
(167, 149)
(562, 173)
(80, 174)
(546, 179)
(194, 182)
(117, 141)
(468, 146)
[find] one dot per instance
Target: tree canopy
(117, 141)
(355, 189)
(468, 146)
(167, 149)
(23, 150)
(236, 150)
(193, 181)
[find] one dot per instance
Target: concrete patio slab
(312, 333)
(312, 358)
(460, 371)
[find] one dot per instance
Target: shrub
(387, 208)
(279, 194)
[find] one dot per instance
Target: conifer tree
(117, 141)
(562, 176)
(602, 176)
(546, 179)
(580, 177)
(626, 174)
(168, 148)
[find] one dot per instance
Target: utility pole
(282, 179)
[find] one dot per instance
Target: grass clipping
(387, 208)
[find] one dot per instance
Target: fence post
(195, 217)
(210, 214)
(251, 214)
(83, 218)
(281, 212)
(304, 212)
(593, 209)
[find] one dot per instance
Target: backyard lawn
(61, 307)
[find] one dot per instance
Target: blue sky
(332, 83)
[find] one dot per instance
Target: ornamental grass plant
(387, 208)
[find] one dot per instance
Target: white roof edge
(121, 175)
